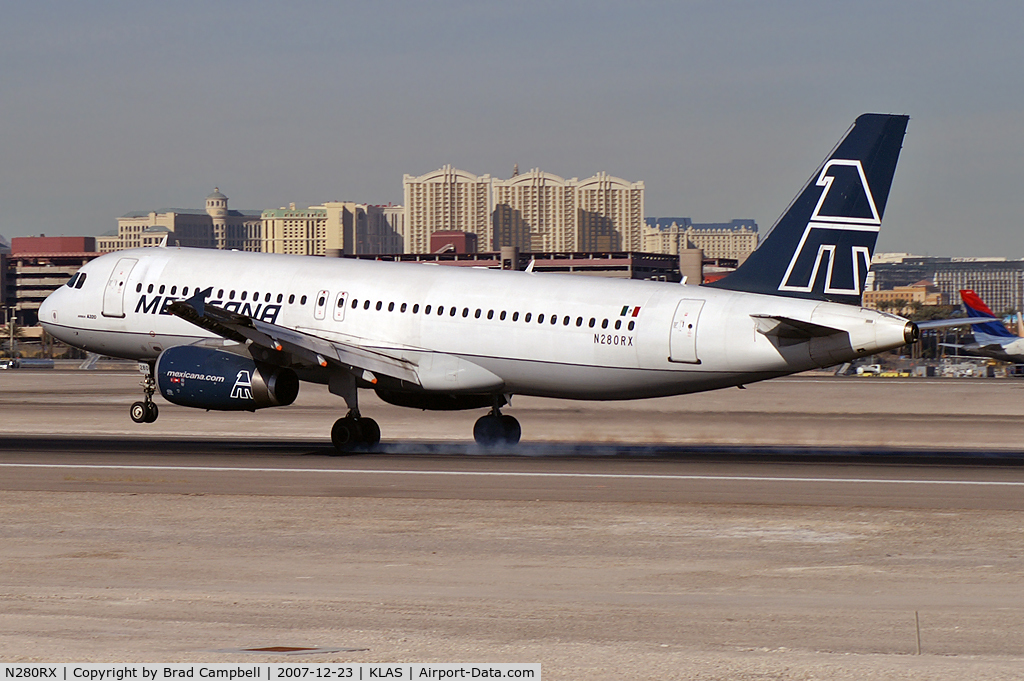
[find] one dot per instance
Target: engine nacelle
(206, 378)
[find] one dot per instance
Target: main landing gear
(146, 411)
(496, 429)
(355, 432)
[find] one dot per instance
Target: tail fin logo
(840, 235)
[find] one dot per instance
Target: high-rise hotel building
(535, 211)
(446, 199)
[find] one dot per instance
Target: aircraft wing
(281, 339)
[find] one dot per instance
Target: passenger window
(319, 303)
(618, 324)
(528, 316)
(451, 312)
(426, 310)
(502, 316)
(280, 297)
(255, 296)
(540, 318)
(149, 289)
(341, 303)
(565, 320)
(220, 293)
(266, 298)
(631, 325)
(476, 314)
(162, 287)
(366, 304)
(402, 309)
(515, 316)
(554, 319)
(416, 308)
(490, 314)
(379, 305)
(232, 295)
(391, 307)
(579, 321)
(184, 292)
(302, 301)
(174, 290)
(291, 299)
(246, 293)
(604, 324)
(138, 288)
(355, 303)
(592, 322)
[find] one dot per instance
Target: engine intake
(206, 378)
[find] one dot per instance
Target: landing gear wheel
(139, 412)
(346, 434)
(494, 429)
(511, 429)
(370, 431)
(146, 411)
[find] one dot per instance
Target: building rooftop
(189, 211)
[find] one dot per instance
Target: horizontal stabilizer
(950, 323)
(794, 329)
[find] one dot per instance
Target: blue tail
(821, 247)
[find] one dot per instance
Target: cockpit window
(81, 279)
(73, 279)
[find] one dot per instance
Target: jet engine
(207, 378)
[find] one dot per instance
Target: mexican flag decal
(628, 311)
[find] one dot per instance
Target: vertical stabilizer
(821, 247)
(989, 332)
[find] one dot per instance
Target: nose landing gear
(146, 411)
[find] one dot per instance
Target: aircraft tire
(152, 412)
(139, 412)
(346, 435)
(512, 431)
(370, 432)
(489, 431)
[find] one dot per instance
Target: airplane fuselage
(470, 330)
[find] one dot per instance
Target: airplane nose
(48, 309)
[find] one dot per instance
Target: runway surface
(544, 473)
(770, 550)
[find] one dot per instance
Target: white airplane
(240, 331)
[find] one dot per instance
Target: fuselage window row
(478, 313)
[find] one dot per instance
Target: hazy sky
(723, 109)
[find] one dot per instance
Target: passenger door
(113, 295)
(683, 338)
